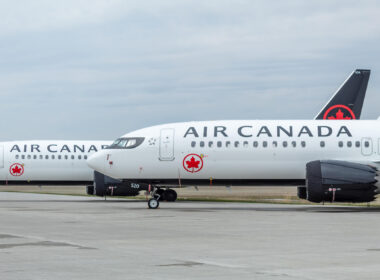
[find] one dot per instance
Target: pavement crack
(4, 236)
(186, 264)
(43, 244)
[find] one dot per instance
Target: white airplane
(63, 162)
(330, 160)
(47, 161)
(52, 162)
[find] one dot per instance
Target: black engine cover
(332, 180)
(107, 186)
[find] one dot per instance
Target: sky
(95, 70)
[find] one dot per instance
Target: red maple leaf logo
(339, 116)
(16, 170)
(192, 163)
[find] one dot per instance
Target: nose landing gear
(159, 194)
(153, 202)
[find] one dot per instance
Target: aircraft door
(367, 146)
(1, 156)
(167, 144)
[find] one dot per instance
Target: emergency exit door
(367, 147)
(167, 144)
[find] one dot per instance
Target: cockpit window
(131, 143)
(126, 143)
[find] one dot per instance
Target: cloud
(42, 15)
(97, 69)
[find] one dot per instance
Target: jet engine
(107, 186)
(340, 181)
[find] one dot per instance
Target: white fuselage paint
(48, 160)
(162, 153)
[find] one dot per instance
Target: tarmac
(46, 236)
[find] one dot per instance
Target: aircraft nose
(96, 162)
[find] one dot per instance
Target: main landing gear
(161, 195)
(167, 195)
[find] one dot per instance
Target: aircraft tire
(153, 203)
(170, 195)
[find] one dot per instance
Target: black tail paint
(347, 102)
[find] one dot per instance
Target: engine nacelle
(340, 181)
(107, 186)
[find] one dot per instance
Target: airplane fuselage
(244, 152)
(47, 161)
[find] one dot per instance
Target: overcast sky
(79, 69)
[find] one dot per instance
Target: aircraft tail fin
(347, 101)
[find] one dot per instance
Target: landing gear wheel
(153, 203)
(170, 195)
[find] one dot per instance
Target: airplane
(328, 160)
(46, 162)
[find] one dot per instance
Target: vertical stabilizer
(347, 101)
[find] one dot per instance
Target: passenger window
(23, 157)
(41, 156)
(274, 144)
(66, 157)
(219, 144)
(303, 144)
(29, 156)
(193, 143)
(201, 144)
(59, 157)
(294, 144)
(52, 157)
(255, 144)
(79, 157)
(236, 144)
(210, 144)
(340, 144)
(357, 144)
(322, 144)
(284, 144)
(245, 144)
(85, 157)
(265, 144)
(366, 144)
(72, 157)
(228, 144)
(349, 144)
(35, 157)
(46, 157)
(17, 156)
